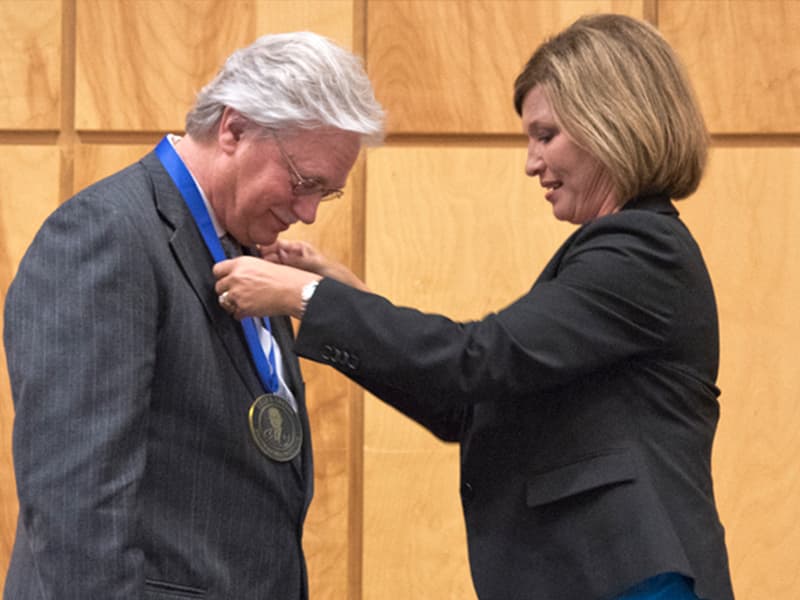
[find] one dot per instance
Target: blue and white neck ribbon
(266, 366)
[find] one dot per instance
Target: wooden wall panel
(29, 177)
(140, 69)
(30, 64)
(415, 545)
(333, 525)
(93, 162)
(450, 219)
(452, 227)
(331, 18)
(449, 67)
(461, 231)
(745, 217)
(744, 59)
(151, 64)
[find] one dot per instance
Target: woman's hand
(252, 287)
(303, 255)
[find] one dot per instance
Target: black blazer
(136, 471)
(585, 410)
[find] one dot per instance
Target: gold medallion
(275, 428)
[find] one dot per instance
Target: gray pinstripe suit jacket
(136, 473)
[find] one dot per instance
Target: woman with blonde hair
(586, 410)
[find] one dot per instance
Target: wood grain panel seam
(650, 12)
(355, 503)
(121, 137)
(749, 140)
(29, 138)
(450, 139)
(66, 137)
(501, 140)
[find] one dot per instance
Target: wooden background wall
(443, 218)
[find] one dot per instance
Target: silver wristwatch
(306, 293)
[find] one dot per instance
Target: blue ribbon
(267, 369)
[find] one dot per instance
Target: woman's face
(578, 186)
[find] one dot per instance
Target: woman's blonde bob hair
(620, 92)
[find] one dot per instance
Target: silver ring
(226, 302)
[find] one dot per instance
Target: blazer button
(353, 362)
(327, 352)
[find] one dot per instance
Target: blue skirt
(667, 586)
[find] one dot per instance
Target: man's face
(252, 181)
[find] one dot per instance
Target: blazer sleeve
(612, 296)
(80, 334)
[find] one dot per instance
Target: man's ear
(231, 128)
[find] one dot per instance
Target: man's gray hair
(295, 80)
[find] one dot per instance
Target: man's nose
(305, 207)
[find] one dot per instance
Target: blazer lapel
(195, 261)
(282, 332)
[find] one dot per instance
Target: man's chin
(266, 240)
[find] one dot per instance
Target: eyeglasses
(306, 186)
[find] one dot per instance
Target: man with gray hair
(162, 447)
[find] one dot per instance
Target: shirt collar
(174, 139)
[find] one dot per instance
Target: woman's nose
(534, 165)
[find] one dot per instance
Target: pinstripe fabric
(136, 473)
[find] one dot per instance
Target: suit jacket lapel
(191, 253)
(194, 259)
(282, 332)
